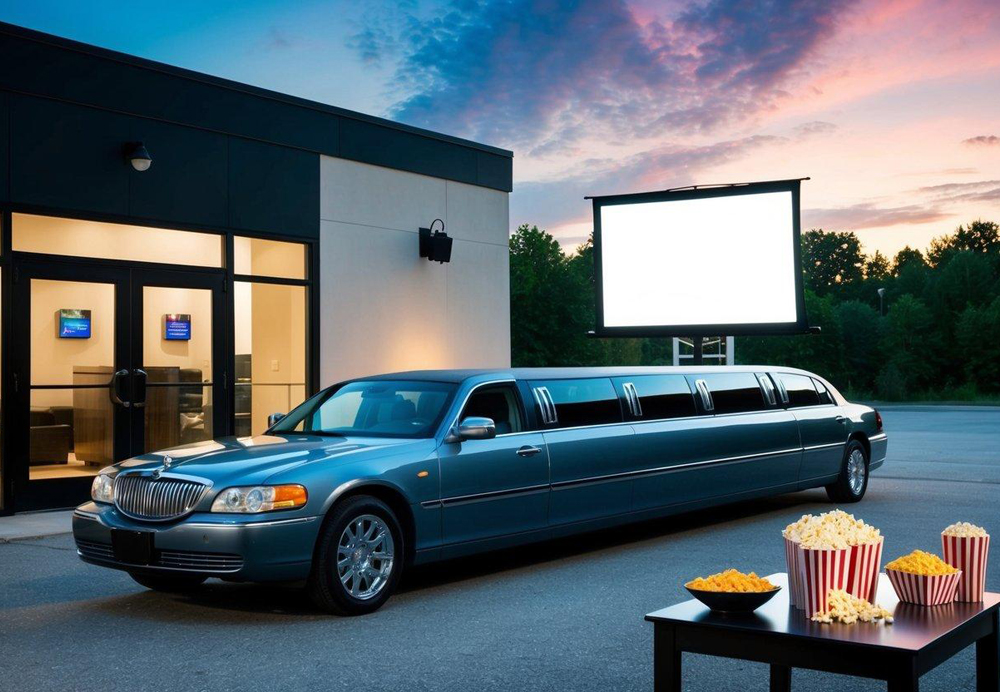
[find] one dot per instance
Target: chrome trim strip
(823, 446)
(430, 504)
(667, 469)
(878, 437)
(86, 515)
(251, 524)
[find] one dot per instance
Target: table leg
(781, 678)
(988, 659)
(904, 678)
(666, 659)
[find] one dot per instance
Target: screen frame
(799, 326)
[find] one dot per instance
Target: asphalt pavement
(559, 616)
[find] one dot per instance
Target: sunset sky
(892, 107)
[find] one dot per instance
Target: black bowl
(729, 602)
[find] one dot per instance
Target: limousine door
(491, 488)
(738, 441)
(589, 449)
(822, 427)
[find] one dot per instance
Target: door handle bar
(528, 451)
(114, 389)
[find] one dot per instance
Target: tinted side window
(583, 402)
(666, 396)
(498, 403)
(735, 392)
(824, 394)
(801, 391)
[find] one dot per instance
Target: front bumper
(267, 547)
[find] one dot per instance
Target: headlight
(103, 488)
(260, 498)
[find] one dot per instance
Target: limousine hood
(252, 460)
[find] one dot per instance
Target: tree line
(933, 334)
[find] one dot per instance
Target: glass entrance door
(116, 362)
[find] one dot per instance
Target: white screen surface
(722, 260)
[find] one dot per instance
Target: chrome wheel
(365, 556)
(856, 471)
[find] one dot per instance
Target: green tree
(909, 342)
(979, 237)
(977, 337)
(877, 267)
(548, 302)
(831, 260)
(907, 257)
(862, 356)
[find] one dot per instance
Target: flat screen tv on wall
(703, 261)
(74, 324)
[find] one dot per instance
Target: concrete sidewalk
(35, 525)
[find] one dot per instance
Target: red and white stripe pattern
(813, 572)
(969, 554)
(924, 589)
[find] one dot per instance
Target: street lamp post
(881, 302)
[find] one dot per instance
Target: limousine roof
(566, 373)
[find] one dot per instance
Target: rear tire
(359, 557)
(852, 483)
(168, 583)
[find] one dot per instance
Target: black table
(919, 639)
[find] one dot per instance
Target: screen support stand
(698, 346)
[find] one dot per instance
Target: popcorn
(848, 609)
(919, 562)
(964, 529)
(731, 581)
(831, 531)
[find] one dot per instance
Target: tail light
(878, 421)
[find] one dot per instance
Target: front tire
(168, 583)
(852, 483)
(359, 558)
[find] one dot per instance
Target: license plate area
(132, 547)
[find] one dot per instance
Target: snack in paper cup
(967, 547)
(832, 551)
(923, 578)
(924, 589)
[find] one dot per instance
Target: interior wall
(59, 236)
(53, 358)
(158, 301)
(384, 308)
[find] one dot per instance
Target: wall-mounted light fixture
(435, 245)
(136, 154)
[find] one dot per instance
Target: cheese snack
(922, 563)
(731, 581)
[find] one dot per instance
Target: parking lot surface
(559, 616)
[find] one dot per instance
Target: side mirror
(274, 418)
(476, 428)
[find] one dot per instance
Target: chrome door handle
(528, 451)
(841, 419)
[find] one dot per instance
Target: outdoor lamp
(435, 245)
(137, 155)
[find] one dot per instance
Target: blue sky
(891, 106)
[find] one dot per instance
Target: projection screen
(715, 261)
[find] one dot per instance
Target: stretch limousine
(375, 474)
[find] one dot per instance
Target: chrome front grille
(206, 562)
(156, 499)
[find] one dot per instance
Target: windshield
(374, 408)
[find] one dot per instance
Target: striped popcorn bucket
(813, 572)
(969, 554)
(924, 589)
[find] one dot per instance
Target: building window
(52, 235)
(271, 302)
